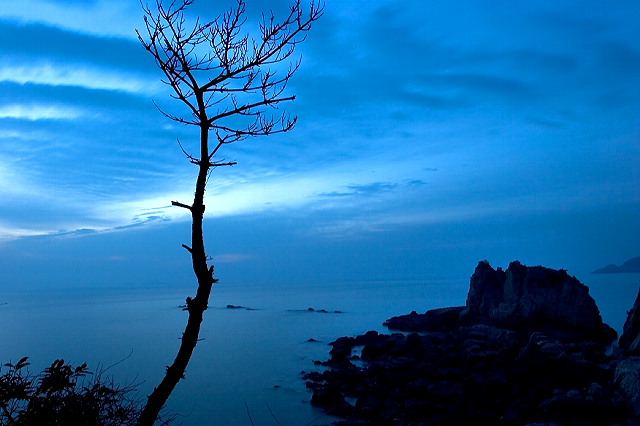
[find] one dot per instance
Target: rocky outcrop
(528, 348)
(532, 297)
(630, 339)
(521, 297)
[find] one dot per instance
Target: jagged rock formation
(630, 339)
(528, 348)
(626, 378)
(532, 297)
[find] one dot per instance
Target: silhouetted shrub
(63, 395)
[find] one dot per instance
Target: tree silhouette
(230, 84)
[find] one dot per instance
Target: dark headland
(528, 348)
(630, 266)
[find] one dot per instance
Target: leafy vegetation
(63, 395)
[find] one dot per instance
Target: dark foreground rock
(627, 373)
(477, 365)
(630, 339)
(626, 388)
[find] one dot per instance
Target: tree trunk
(195, 306)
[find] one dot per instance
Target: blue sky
(431, 135)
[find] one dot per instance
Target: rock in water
(443, 319)
(630, 339)
(532, 297)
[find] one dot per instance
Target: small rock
(443, 319)
(235, 307)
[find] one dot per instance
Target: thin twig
(272, 415)
(249, 414)
(118, 362)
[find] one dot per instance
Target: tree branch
(184, 206)
(218, 164)
(248, 107)
(191, 158)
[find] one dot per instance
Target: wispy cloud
(99, 17)
(10, 232)
(372, 189)
(230, 258)
(39, 112)
(49, 55)
(77, 75)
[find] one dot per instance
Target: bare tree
(231, 85)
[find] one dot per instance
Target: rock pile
(529, 348)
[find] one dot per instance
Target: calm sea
(246, 370)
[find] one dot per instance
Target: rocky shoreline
(528, 348)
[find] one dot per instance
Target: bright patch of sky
(413, 114)
(50, 75)
(38, 112)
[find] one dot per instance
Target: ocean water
(246, 369)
